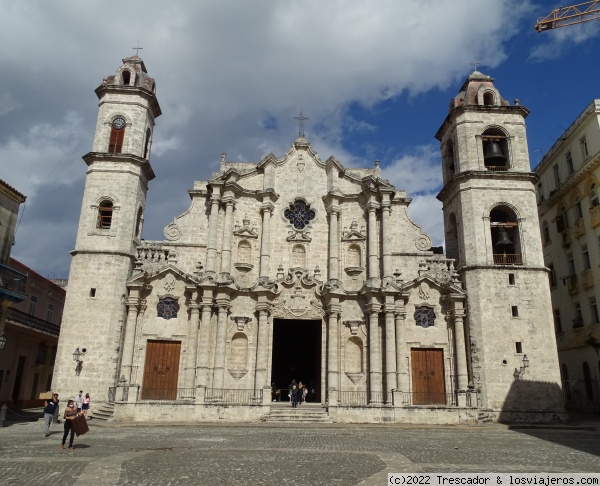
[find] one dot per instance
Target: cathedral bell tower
(492, 231)
(110, 226)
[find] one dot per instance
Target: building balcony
(22, 319)
(13, 285)
(578, 228)
(508, 259)
(595, 216)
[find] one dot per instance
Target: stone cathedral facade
(299, 268)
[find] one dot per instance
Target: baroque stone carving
(172, 232)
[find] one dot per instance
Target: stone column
(204, 340)
(333, 371)
(133, 306)
(192, 345)
(372, 242)
(220, 345)
(375, 384)
(262, 345)
(334, 250)
(460, 349)
(386, 236)
(390, 349)
(213, 229)
(227, 234)
(265, 240)
(401, 364)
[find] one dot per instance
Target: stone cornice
(456, 179)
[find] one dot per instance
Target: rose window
(299, 214)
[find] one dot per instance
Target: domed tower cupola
(128, 109)
(476, 135)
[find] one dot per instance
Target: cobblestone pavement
(284, 454)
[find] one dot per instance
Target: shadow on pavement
(16, 417)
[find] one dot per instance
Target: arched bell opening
(506, 244)
(448, 158)
(495, 150)
(452, 246)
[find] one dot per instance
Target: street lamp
(77, 356)
(521, 370)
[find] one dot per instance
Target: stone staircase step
(302, 414)
(104, 412)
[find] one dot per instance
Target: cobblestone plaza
(286, 454)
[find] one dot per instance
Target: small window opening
(147, 143)
(488, 98)
(518, 347)
(117, 135)
(92, 292)
(105, 212)
(515, 311)
(126, 77)
(511, 279)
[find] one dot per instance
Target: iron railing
(174, 394)
(360, 398)
(20, 317)
(508, 259)
(233, 396)
(428, 398)
(112, 393)
(12, 280)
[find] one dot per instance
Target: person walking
(50, 407)
(299, 394)
(85, 406)
(70, 414)
(79, 401)
(294, 393)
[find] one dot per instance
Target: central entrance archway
(297, 356)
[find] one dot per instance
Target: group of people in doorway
(79, 405)
(297, 393)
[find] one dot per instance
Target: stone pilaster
(460, 349)
(192, 343)
(402, 371)
(390, 349)
(333, 372)
(265, 241)
(334, 247)
(375, 385)
(372, 241)
(204, 339)
(221, 342)
(133, 308)
(386, 235)
(262, 355)
(213, 229)
(227, 235)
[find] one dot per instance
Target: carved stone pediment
(245, 231)
(353, 234)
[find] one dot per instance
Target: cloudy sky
(374, 78)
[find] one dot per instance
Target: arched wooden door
(428, 382)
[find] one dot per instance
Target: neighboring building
(299, 268)
(569, 212)
(31, 329)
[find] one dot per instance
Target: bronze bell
(493, 154)
(503, 238)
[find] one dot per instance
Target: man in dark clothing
(50, 406)
(294, 393)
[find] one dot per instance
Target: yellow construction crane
(575, 14)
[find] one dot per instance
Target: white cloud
(426, 211)
(419, 172)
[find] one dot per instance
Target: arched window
(126, 77)
(138, 223)
(505, 236)
(244, 251)
(117, 135)
(449, 157)
(587, 378)
(488, 98)
(298, 256)
(452, 248)
(105, 213)
(353, 259)
(147, 143)
(495, 150)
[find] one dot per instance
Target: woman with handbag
(70, 414)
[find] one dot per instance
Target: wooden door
(428, 382)
(161, 370)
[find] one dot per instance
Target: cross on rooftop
(301, 119)
(137, 49)
(475, 63)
